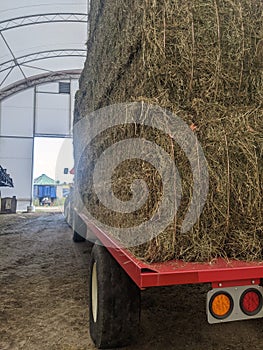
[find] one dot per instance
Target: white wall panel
(16, 157)
(17, 115)
(52, 115)
(50, 87)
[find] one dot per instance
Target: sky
(52, 156)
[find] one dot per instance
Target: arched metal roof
(41, 18)
(23, 84)
(41, 41)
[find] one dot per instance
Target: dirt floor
(43, 297)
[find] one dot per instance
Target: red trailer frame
(220, 273)
(236, 294)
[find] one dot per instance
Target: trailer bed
(219, 272)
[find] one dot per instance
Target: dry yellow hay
(202, 60)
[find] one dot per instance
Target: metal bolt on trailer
(117, 276)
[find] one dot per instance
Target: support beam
(23, 21)
(38, 79)
(40, 55)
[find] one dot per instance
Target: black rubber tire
(118, 302)
(79, 228)
(77, 238)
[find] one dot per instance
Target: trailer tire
(77, 238)
(114, 302)
(79, 228)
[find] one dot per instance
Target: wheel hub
(94, 292)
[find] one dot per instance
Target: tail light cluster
(234, 303)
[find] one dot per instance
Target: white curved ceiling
(30, 50)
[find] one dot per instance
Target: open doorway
(53, 162)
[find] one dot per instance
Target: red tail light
(251, 302)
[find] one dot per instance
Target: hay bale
(203, 61)
(174, 51)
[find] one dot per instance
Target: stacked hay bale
(202, 60)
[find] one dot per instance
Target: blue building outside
(45, 190)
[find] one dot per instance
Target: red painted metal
(236, 283)
(175, 272)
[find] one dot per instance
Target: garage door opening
(53, 162)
